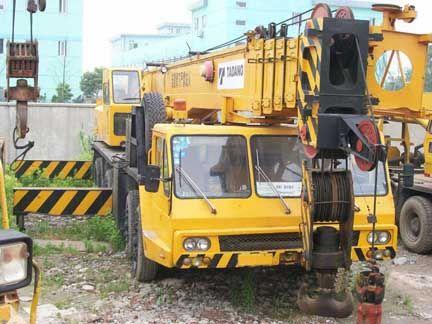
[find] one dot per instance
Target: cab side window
(105, 92)
(162, 162)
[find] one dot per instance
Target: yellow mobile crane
(220, 132)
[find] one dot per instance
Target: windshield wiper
(193, 184)
(273, 187)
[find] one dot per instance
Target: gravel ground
(80, 287)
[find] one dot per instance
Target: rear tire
(154, 113)
(132, 201)
(415, 224)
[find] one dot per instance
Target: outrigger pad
(324, 304)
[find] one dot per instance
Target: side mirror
(152, 178)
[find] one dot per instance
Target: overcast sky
(104, 19)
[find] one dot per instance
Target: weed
(164, 295)
(50, 249)
(38, 180)
(243, 291)
(408, 303)
(94, 247)
(64, 303)
(102, 229)
(116, 286)
(283, 307)
(86, 144)
(56, 280)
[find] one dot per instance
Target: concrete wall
(55, 129)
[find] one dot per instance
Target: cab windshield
(277, 165)
(217, 165)
(126, 88)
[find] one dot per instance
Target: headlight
(203, 244)
(13, 263)
(189, 244)
(369, 237)
(196, 244)
(15, 260)
(381, 237)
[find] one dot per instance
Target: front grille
(260, 242)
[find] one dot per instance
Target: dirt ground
(82, 287)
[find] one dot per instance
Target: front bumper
(221, 255)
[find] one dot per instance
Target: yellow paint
(80, 173)
(61, 204)
(50, 169)
(3, 199)
(68, 167)
(39, 200)
(86, 202)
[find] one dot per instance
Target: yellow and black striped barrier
(79, 170)
(62, 201)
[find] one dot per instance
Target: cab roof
(189, 129)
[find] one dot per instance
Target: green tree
(63, 93)
(91, 83)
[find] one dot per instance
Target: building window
(63, 6)
(2, 5)
(204, 21)
(1, 46)
(196, 24)
(241, 22)
(62, 48)
(241, 4)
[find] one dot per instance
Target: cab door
(161, 200)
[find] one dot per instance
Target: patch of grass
(50, 249)
(164, 295)
(37, 180)
(116, 286)
(94, 247)
(56, 280)
(64, 303)
(101, 229)
(243, 291)
(283, 307)
(408, 303)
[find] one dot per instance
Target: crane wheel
(415, 224)
(154, 113)
(132, 201)
(142, 268)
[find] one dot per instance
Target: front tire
(142, 268)
(415, 224)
